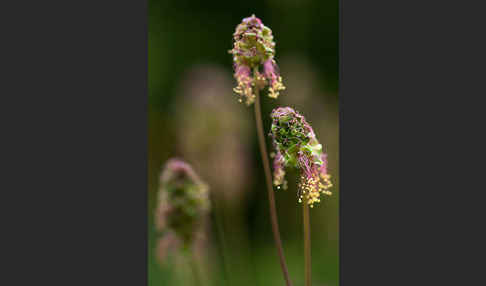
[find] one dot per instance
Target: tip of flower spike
(253, 42)
(252, 18)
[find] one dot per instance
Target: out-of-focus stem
(195, 269)
(271, 195)
(220, 229)
(307, 243)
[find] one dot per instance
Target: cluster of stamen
(276, 87)
(245, 84)
(275, 81)
(311, 188)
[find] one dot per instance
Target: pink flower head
(253, 50)
(296, 146)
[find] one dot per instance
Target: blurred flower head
(183, 202)
(296, 146)
(216, 133)
(253, 51)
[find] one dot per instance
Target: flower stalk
(254, 49)
(182, 207)
(255, 69)
(307, 244)
(296, 146)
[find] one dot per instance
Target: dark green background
(186, 33)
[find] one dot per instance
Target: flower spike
(296, 146)
(254, 49)
(183, 201)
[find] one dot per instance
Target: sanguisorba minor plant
(183, 204)
(255, 68)
(296, 146)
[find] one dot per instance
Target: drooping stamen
(274, 79)
(244, 88)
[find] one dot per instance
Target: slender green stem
(307, 243)
(271, 195)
